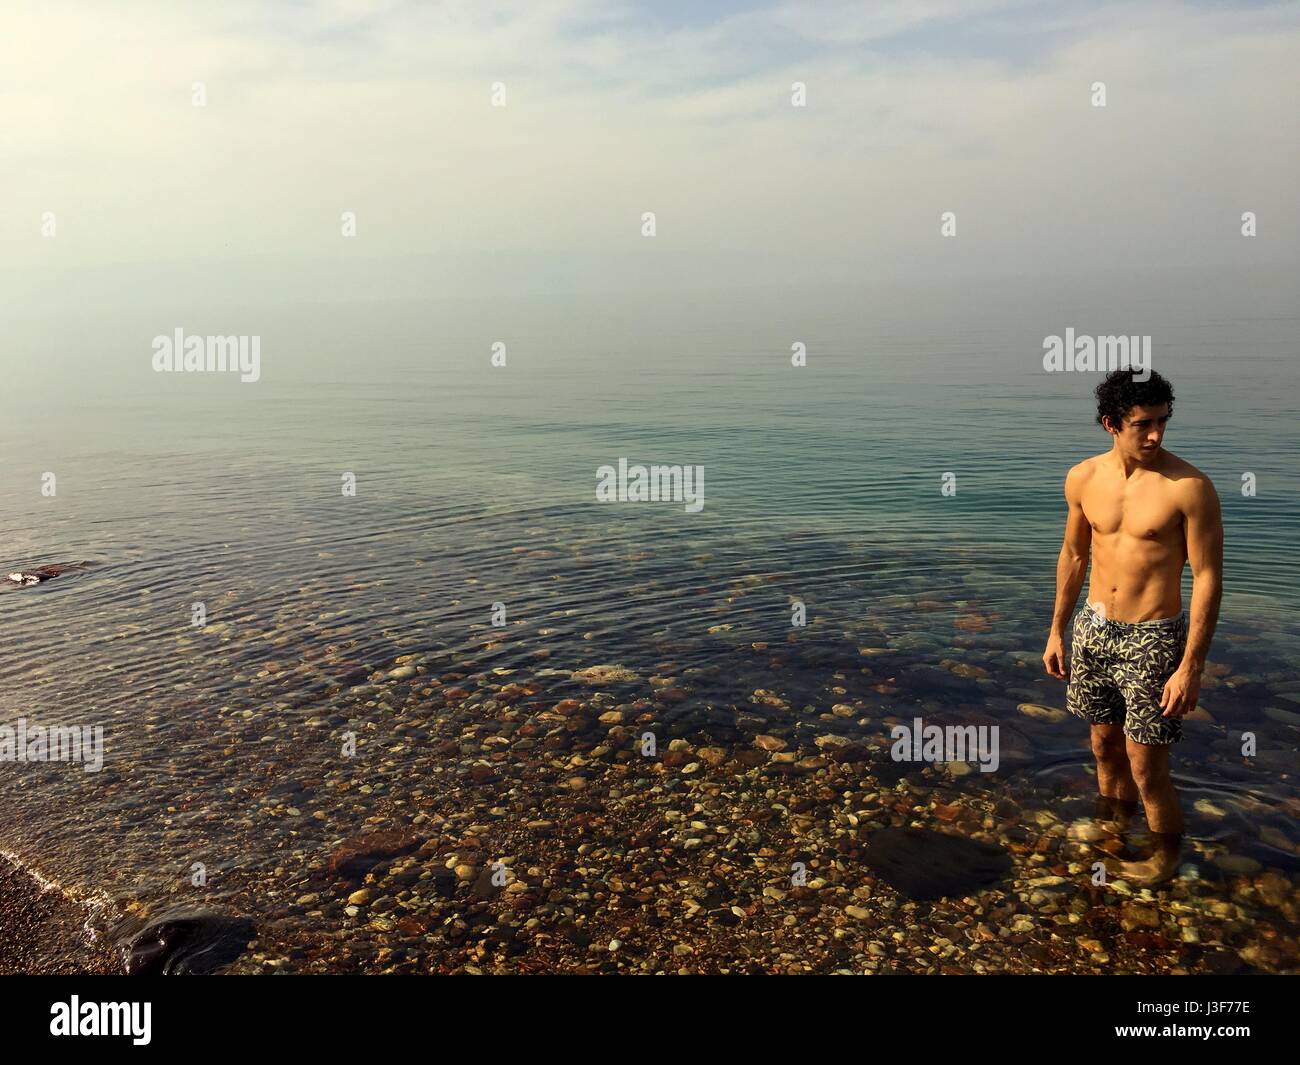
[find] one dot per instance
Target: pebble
(1273, 888)
(1237, 864)
(1285, 717)
(1043, 713)
(604, 674)
(1133, 916)
(1274, 838)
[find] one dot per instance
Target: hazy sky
(383, 108)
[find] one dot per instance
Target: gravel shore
(541, 839)
(438, 813)
(42, 932)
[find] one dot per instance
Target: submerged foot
(1160, 867)
(1114, 815)
(1155, 870)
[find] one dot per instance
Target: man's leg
(1093, 696)
(1164, 812)
(1117, 792)
(1148, 658)
(1114, 777)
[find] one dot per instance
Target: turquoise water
(476, 485)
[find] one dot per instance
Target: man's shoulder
(1076, 480)
(1180, 470)
(1081, 471)
(1186, 479)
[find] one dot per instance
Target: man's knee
(1108, 746)
(1150, 768)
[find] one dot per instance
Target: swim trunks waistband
(1159, 623)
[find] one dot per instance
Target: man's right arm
(1071, 567)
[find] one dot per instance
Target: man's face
(1143, 430)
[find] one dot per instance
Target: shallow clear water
(476, 485)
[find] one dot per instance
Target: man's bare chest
(1144, 512)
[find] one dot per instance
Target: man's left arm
(1204, 527)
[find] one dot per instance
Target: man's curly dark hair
(1119, 394)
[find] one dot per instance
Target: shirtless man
(1134, 668)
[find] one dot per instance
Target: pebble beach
(436, 812)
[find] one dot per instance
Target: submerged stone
(355, 857)
(1051, 714)
(922, 864)
(604, 674)
(187, 943)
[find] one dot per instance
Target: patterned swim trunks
(1118, 672)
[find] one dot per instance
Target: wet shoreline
(43, 932)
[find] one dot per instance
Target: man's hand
(1054, 657)
(1181, 692)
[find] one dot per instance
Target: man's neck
(1128, 465)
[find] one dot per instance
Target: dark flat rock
(44, 573)
(929, 865)
(187, 943)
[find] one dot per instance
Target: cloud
(383, 109)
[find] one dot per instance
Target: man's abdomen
(1136, 580)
